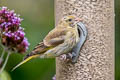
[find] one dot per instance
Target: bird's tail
(37, 51)
(24, 61)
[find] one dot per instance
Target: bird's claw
(68, 57)
(63, 57)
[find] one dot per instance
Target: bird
(68, 36)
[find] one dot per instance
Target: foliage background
(38, 21)
(117, 39)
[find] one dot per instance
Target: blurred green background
(117, 39)
(38, 21)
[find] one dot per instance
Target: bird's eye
(69, 19)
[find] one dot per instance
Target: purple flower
(9, 21)
(12, 35)
(54, 77)
(23, 46)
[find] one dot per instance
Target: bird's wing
(39, 49)
(55, 37)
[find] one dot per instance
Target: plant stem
(2, 55)
(5, 62)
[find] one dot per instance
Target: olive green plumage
(59, 41)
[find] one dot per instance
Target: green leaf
(4, 76)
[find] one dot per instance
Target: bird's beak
(77, 20)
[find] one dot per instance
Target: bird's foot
(68, 57)
(63, 57)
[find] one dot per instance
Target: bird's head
(70, 21)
